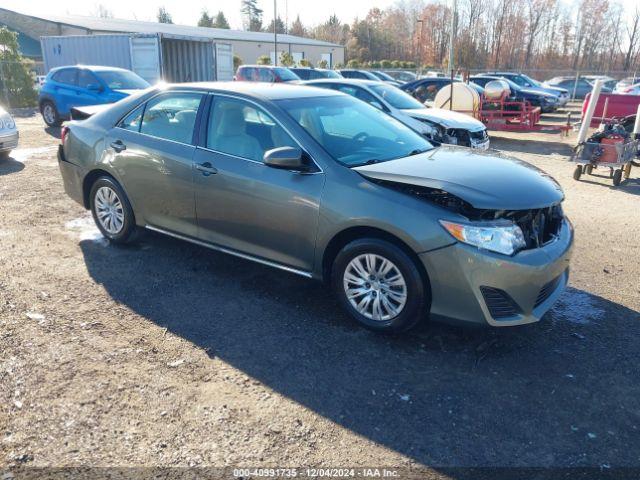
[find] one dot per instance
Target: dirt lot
(167, 354)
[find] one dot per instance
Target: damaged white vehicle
(438, 125)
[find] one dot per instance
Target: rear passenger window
(265, 75)
(67, 76)
(132, 121)
(172, 116)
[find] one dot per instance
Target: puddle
(578, 307)
(24, 154)
(84, 228)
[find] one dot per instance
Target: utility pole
(454, 13)
(275, 32)
(420, 22)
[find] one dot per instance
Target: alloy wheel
(109, 210)
(375, 287)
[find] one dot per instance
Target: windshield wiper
(371, 161)
(417, 151)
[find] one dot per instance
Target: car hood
(486, 180)
(537, 91)
(556, 89)
(447, 118)
(126, 92)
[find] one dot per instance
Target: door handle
(118, 146)
(206, 168)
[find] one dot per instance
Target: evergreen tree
(251, 15)
(164, 16)
(205, 20)
(221, 21)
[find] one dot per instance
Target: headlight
(501, 237)
(7, 121)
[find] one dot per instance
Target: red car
(265, 73)
(618, 106)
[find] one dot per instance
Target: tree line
(584, 35)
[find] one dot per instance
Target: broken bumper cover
(469, 285)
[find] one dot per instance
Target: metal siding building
(183, 51)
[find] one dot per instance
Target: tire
(5, 155)
(112, 211)
(589, 169)
(617, 177)
(50, 114)
(577, 173)
(399, 308)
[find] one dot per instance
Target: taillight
(63, 134)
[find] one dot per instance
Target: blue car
(547, 102)
(77, 86)
(525, 81)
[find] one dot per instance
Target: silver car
(323, 185)
(8, 134)
(443, 126)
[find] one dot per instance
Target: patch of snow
(23, 154)
(85, 228)
(579, 307)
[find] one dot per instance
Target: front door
(245, 205)
(152, 152)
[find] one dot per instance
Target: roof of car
(94, 68)
(263, 90)
(347, 81)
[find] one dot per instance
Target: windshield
(121, 80)
(384, 76)
(329, 74)
(353, 132)
(532, 81)
(396, 97)
(285, 74)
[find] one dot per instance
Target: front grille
(479, 136)
(547, 290)
(499, 303)
(539, 226)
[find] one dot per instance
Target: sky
(187, 12)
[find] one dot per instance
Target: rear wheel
(617, 177)
(589, 169)
(577, 173)
(379, 285)
(50, 114)
(112, 211)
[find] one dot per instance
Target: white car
(443, 126)
(629, 90)
(625, 83)
(8, 134)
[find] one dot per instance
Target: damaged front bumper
(469, 285)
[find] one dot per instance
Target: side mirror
(287, 158)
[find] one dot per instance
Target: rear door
(65, 89)
(152, 151)
(243, 204)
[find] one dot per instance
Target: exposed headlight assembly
(500, 237)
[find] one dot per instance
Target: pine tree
(205, 19)
(220, 21)
(164, 16)
(252, 15)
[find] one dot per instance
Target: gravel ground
(168, 354)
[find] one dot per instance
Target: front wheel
(577, 173)
(379, 285)
(617, 177)
(112, 211)
(5, 155)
